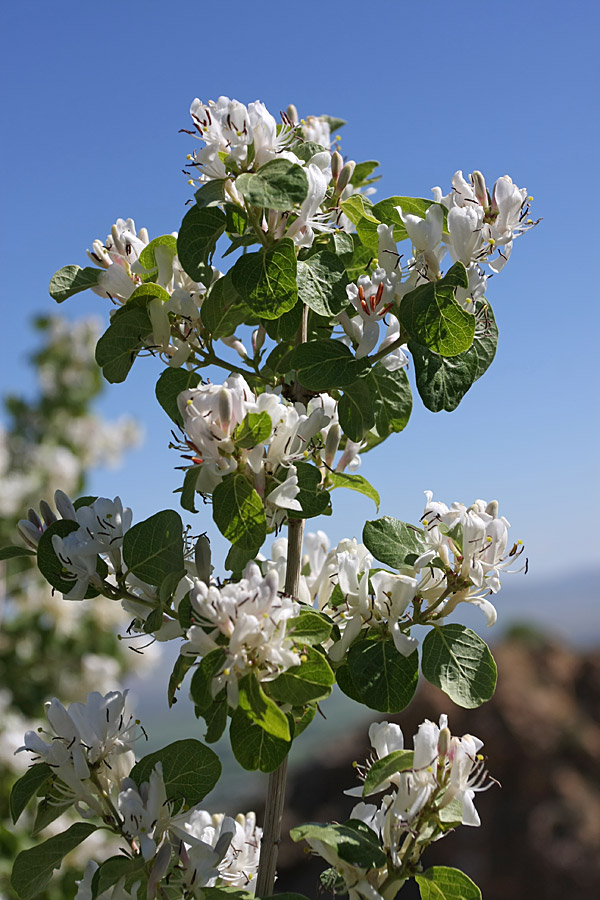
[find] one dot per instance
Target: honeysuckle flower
(397, 358)
(116, 256)
(371, 297)
(104, 523)
(253, 616)
(78, 559)
(239, 864)
(145, 811)
(94, 738)
(426, 236)
(302, 230)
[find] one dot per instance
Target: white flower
(78, 559)
(372, 298)
(145, 811)
(95, 737)
(253, 616)
(116, 257)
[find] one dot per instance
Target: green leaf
(201, 684)
(391, 399)
(279, 184)
(357, 207)
(386, 679)
(355, 410)
(253, 747)
(15, 552)
(343, 245)
(197, 239)
(71, 280)
(239, 513)
(444, 883)
(237, 219)
(216, 720)
(382, 769)
(182, 665)
(311, 680)
(253, 429)
(171, 383)
(433, 318)
(391, 541)
(51, 567)
(121, 342)
(28, 785)
(33, 868)
(309, 627)
(361, 173)
(188, 489)
(322, 282)
(261, 710)
(223, 309)
(112, 870)
(147, 258)
(285, 328)
(190, 770)
(237, 558)
(323, 365)
(266, 280)
(312, 498)
(334, 123)
(347, 684)
(352, 845)
(442, 382)
(354, 483)
(154, 548)
(141, 297)
(225, 893)
(211, 193)
(48, 809)
(459, 662)
(387, 213)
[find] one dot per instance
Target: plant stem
(276, 787)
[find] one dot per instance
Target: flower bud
(292, 114)
(225, 406)
(345, 176)
(480, 188)
(492, 509)
(337, 163)
(202, 558)
(444, 741)
(258, 339)
(64, 506)
(332, 442)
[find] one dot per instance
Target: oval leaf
(386, 679)
(190, 770)
(71, 280)
(459, 662)
(154, 548)
(266, 280)
(33, 868)
(391, 541)
(445, 883)
(239, 513)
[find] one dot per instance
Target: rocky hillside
(540, 836)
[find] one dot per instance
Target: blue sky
(97, 96)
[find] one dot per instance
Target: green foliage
(459, 662)
(262, 710)
(147, 258)
(121, 342)
(15, 553)
(279, 184)
(309, 627)
(154, 548)
(322, 283)
(223, 309)
(170, 384)
(311, 680)
(314, 500)
(355, 410)
(35, 779)
(382, 769)
(211, 193)
(113, 869)
(72, 280)
(433, 318)
(239, 513)
(442, 382)
(384, 679)
(393, 542)
(266, 280)
(444, 883)
(33, 868)
(391, 401)
(359, 847)
(190, 770)
(51, 567)
(323, 365)
(355, 483)
(197, 239)
(253, 747)
(253, 429)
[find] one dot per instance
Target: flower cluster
(214, 417)
(90, 750)
(253, 615)
(430, 792)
